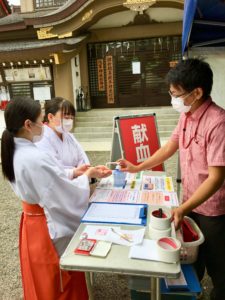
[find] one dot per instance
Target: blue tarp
(203, 23)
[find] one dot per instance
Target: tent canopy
(203, 24)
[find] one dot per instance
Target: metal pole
(158, 294)
(153, 289)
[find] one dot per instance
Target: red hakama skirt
(41, 275)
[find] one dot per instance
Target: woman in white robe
(57, 139)
(52, 205)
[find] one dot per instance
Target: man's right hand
(127, 166)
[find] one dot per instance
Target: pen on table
(123, 236)
(160, 213)
(125, 183)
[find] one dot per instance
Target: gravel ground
(106, 287)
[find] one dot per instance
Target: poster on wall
(3, 93)
(101, 76)
(136, 67)
(42, 93)
(28, 74)
(110, 79)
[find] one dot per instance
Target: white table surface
(117, 260)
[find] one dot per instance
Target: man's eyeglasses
(176, 96)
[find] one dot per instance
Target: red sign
(139, 138)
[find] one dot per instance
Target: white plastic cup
(169, 249)
(160, 223)
(155, 234)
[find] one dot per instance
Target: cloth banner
(101, 77)
(110, 79)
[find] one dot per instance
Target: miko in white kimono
(52, 205)
(57, 139)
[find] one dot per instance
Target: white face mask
(65, 126)
(178, 104)
(36, 138)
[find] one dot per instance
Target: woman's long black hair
(58, 104)
(16, 113)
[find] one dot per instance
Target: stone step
(127, 111)
(109, 123)
(91, 136)
(105, 144)
(87, 136)
(93, 128)
(96, 128)
(106, 118)
(96, 140)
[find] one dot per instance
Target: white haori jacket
(40, 179)
(67, 151)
